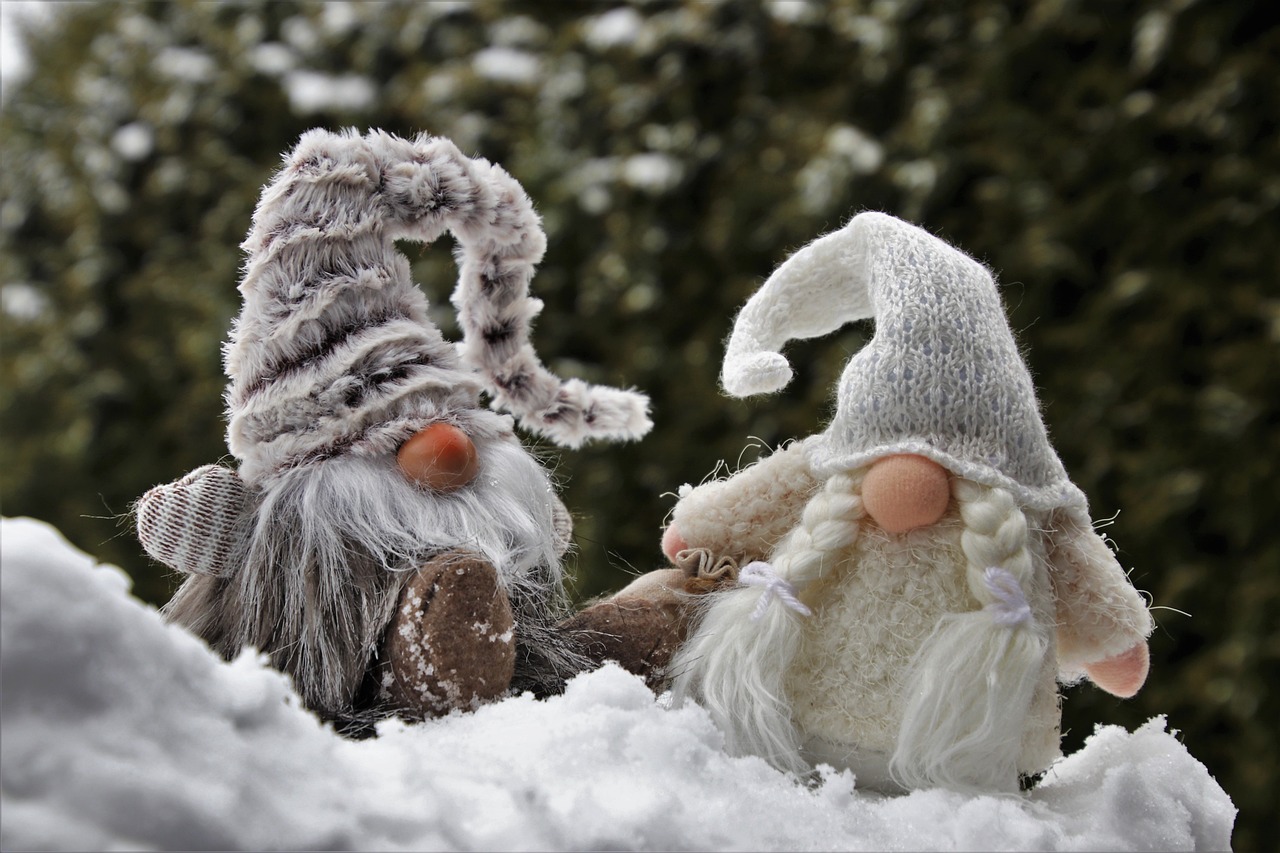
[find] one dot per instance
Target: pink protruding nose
(673, 543)
(906, 491)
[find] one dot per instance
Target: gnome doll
(900, 594)
(385, 539)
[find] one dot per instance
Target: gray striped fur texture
(333, 351)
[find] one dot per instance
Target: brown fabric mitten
(642, 626)
(639, 627)
(451, 644)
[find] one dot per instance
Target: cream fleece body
(872, 610)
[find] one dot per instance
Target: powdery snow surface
(122, 732)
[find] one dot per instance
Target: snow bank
(121, 731)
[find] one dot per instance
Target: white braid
(736, 667)
(970, 687)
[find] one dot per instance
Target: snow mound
(120, 731)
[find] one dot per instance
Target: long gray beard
(331, 547)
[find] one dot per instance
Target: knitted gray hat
(941, 377)
(333, 351)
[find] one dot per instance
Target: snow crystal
(847, 153)
(866, 30)
(185, 63)
(15, 64)
(516, 31)
(120, 731)
(506, 65)
(591, 181)
(134, 141)
(301, 34)
(917, 175)
(313, 92)
(1150, 40)
(614, 28)
(339, 17)
(793, 11)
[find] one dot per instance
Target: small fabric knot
(700, 563)
(1009, 607)
(772, 586)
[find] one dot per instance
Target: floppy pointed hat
(941, 377)
(334, 351)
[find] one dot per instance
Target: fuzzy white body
(874, 607)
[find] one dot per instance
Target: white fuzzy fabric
(1100, 613)
(941, 377)
(745, 515)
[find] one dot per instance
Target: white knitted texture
(333, 351)
(941, 377)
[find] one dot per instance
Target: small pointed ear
(196, 524)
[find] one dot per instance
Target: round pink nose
(904, 492)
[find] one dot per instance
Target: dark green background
(1116, 162)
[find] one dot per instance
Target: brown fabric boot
(451, 644)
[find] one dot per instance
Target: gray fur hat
(941, 377)
(334, 352)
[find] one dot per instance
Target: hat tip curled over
(582, 412)
(757, 373)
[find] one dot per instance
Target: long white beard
(891, 615)
(332, 545)
(873, 608)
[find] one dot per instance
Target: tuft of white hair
(971, 684)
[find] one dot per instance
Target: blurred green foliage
(1117, 163)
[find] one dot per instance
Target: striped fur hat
(334, 352)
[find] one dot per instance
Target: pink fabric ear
(1124, 674)
(904, 492)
